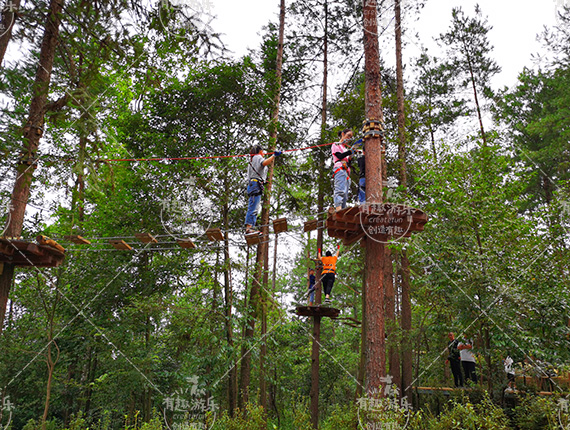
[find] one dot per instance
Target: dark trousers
(328, 281)
(469, 370)
(456, 370)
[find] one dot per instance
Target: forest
(130, 296)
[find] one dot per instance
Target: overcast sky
(515, 26)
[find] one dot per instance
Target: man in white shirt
(468, 360)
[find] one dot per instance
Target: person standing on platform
(329, 271)
(256, 176)
(362, 179)
(454, 360)
(341, 168)
(468, 362)
(312, 281)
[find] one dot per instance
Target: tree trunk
(228, 296)
(316, 345)
(406, 315)
(391, 319)
(33, 131)
(262, 258)
(472, 76)
(375, 332)
(8, 20)
(406, 324)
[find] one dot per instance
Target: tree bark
(33, 131)
(375, 348)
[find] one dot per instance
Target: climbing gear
(329, 265)
(259, 190)
(372, 128)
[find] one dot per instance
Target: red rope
(207, 157)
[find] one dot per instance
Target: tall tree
(436, 98)
(261, 275)
(33, 131)
(375, 330)
(404, 272)
(468, 52)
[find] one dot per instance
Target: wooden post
(375, 331)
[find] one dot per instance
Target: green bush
(466, 416)
(342, 417)
(534, 412)
(253, 418)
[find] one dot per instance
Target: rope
(209, 157)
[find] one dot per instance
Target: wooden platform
(381, 222)
(27, 254)
(317, 311)
(446, 391)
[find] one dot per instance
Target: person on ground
(468, 362)
(341, 168)
(508, 363)
(362, 179)
(329, 271)
(454, 360)
(256, 176)
(312, 281)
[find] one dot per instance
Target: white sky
(515, 26)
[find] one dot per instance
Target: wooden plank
(6, 249)
(253, 238)
(356, 238)
(35, 250)
(120, 245)
(44, 240)
(214, 234)
(280, 225)
(310, 225)
(1, 268)
(146, 238)
(78, 240)
(186, 243)
(339, 225)
(317, 311)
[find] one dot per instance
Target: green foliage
(253, 417)
(468, 416)
(342, 417)
(535, 412)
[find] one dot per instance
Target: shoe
(327, 301)
(251, 231)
